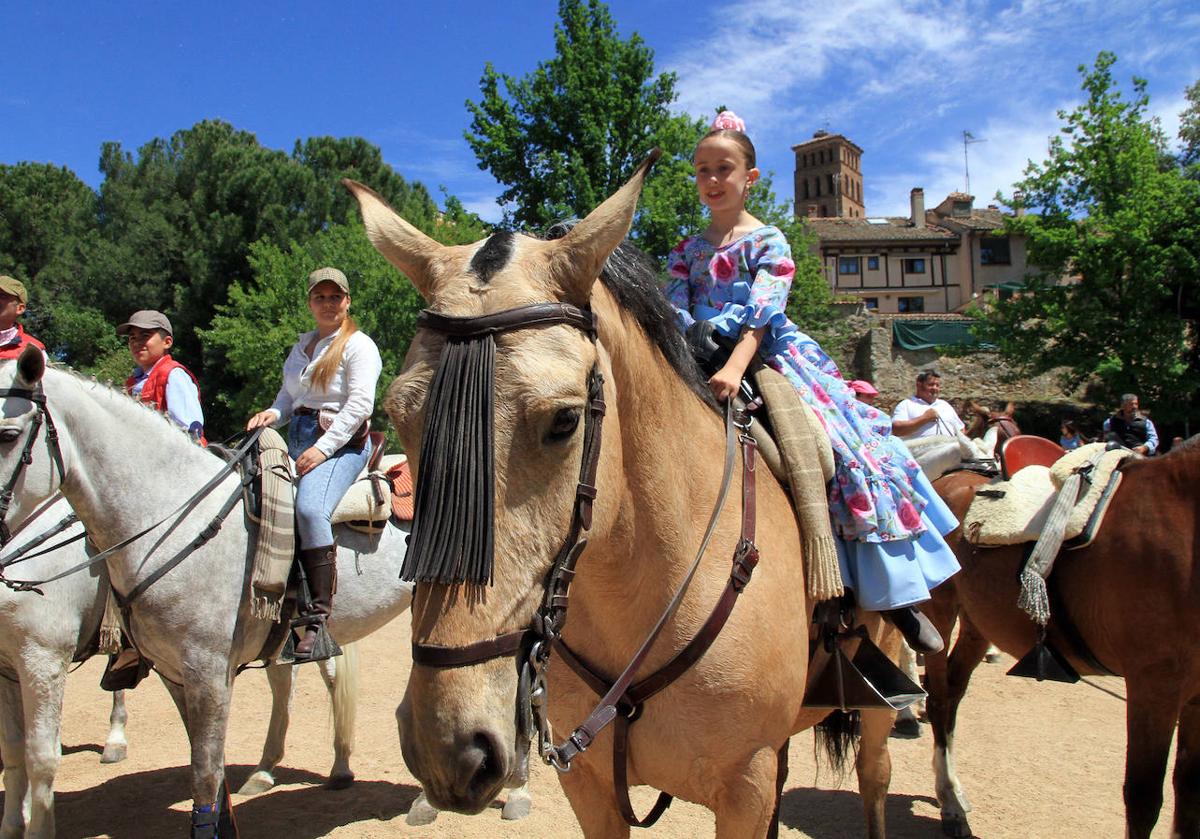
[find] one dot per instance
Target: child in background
(1070, 437)
(737, 274)
(158, 379)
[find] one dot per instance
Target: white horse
(124, 467)
(39, 638)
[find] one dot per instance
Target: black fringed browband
(452, 537)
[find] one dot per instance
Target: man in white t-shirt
(925, 415)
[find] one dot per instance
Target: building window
(806, 195)
(993, 250)
(914, 266)
(829, 180)
(848, 265)
(910, 304)
(871, 302)
(872, 263)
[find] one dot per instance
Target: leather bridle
(38, 398)
(622, 699)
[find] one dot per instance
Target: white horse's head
(31, 457)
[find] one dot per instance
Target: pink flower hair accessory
(728, 120)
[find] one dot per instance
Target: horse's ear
(31, 364)
(1010, 408)
(407, 248)
(578, 257)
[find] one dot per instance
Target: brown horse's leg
(947, 677)
(874, 768)
(1187, 772)
(1150, 715)
(780, 780)
(744, 804)
(591, 797)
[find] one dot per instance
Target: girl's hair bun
(728, 120)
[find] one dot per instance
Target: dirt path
(1036, 760)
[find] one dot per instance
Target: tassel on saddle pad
(275, 546)
(110, 626)
(808, 460)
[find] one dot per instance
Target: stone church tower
(828, 177)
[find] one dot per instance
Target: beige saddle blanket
(368, 504)
(1016, 511)
(800, 457)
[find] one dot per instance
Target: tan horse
(1134, 597)
(713, 736)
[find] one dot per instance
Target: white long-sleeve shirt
(351, 390)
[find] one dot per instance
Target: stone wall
(868, 353)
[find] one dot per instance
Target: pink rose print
(680, 270)
(722, 267)
(679, 248)
(783, 267)
(821, 395)
(909, 517)
(859, 502)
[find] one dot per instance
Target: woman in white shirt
(328, 393)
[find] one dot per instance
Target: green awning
(928, 334)
(1011, 285)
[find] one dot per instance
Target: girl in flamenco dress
(736, 274)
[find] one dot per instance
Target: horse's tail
(835, 740)
(345, 693)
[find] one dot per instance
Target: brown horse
(991, 428)
(1128, 603)
(714, 735)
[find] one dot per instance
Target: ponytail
(328, 365)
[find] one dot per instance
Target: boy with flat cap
(13, 338)
(158, 379)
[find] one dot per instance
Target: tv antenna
(969, 140)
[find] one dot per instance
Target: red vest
(14, 349)
(154, 391)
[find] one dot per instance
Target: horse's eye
(8, 435)
(564, 425)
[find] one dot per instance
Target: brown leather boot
(320, 567)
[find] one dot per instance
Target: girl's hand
(260, 419)
(309, 459)
(725, 383)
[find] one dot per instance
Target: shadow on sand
(835, 814)
(137, 805)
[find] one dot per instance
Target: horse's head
(501, 393)
(31, 466)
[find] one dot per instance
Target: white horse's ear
(407, 248)
(31, 364)
(577, 258)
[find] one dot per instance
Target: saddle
(1015, 511)
(382, 493)
(1027, 450)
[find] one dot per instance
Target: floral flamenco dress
(888, 518)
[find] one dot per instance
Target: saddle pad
(1019, 514)
(806, 454)
(368, 504)
(274, 547)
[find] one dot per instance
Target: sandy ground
(1036, 760)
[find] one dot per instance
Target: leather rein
(622, 699)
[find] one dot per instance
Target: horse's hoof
(421, 813)
(956, 826)
(516, 807)
(257, 783)
(906, 728)
(114, 752)
(342, 780)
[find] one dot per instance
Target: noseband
(38, 398)
(622, 699)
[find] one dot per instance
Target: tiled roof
(895, 228)
(826, 137)
(988, 219)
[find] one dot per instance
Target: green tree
(567, 135)
(1189, 130)
(1109, 213)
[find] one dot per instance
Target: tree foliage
(1113, 211)
(564, 137)
(1189, 130)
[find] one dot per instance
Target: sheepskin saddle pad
(1015, 511)
(378, 496)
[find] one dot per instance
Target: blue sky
(901, 79)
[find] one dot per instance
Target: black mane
(632, 278)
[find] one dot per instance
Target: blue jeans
(319, 491)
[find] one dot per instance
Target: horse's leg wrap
(204, 821)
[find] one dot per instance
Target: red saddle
(1027, 450)
(402, 491)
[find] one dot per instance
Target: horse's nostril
(482, 766)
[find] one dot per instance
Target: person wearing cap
(159, 380)
(863, 391)
(328, 394)
(13, 338)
